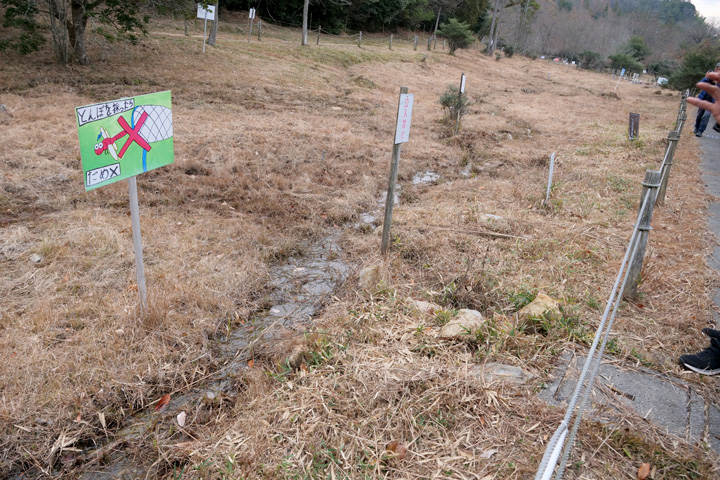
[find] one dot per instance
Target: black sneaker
(706, 362)
(698, 134)
(711, 333)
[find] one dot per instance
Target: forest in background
(664, 37)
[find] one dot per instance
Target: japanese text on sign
(402, 132)
(99, 111)
(206, 13)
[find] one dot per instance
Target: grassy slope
(249, 187)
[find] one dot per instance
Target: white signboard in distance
(462, 84)
(252, 13)
(402, 132)
(206, 13)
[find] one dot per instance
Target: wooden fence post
(318, 37)
(391, 39)
(360, 39)
(650, 189)
(430, 42)
(672, 138)
(415, 46)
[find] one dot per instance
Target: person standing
(703, 115)
(707, 362)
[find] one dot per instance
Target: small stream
(300, 288)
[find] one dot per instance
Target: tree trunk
(76, 33)
(523, 26)
(497, 26)
(491, 45)
(212, 38)
(306, 6)
(59, 24)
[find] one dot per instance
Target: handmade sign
(402, 130)
(206, 13)
(123, 138)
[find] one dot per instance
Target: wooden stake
(415, 43)
(550, 175)
(673, 138)
(390, 199)
(318, 37)
(650, 184)
(137, 242)
(461, 90)
(391, 39)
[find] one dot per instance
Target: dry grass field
(277, 147)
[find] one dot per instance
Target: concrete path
(668, 402)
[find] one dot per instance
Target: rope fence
(625, 286)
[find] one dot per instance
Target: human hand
(714, 90)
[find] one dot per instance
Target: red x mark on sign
(134, 134)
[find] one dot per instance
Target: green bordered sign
(126, 137)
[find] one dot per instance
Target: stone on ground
(537, 308)
(497, 372)
(369, 277)
(465, 321)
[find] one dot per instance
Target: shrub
(623, 60)
(695, 65)
(509, 51)
(450, 104)
(458, 34)
(590, 60)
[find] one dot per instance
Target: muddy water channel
(300, 287)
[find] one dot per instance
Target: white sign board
(252, 13)
(208, 14)
(462, 84)
(402, 132)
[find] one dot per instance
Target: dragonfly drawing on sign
(149, 124)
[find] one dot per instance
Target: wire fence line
(563, 439)
(278, 30)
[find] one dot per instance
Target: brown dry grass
(249, 187)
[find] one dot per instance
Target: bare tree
(491, 35)
(700, 29)
(306, 7)
(212, 38)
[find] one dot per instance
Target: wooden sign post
(208, 14)
(634, 126)
(402, 135)
(121, 139)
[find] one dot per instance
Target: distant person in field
(707, 362)
(703, 115)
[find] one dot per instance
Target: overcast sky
(707, 8)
